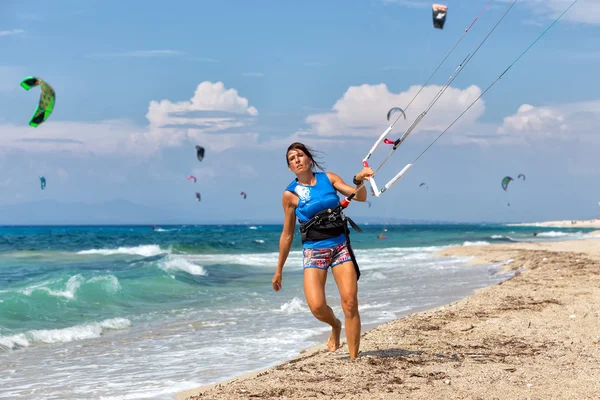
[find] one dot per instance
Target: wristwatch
(355, 181)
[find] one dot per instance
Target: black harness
(328, 224)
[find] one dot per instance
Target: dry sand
(588, 223)
(534, 336)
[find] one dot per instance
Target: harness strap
(331, 223)
(328, 215)
(353, 225)
(349, 246)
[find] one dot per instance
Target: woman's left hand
(276, 282)
(365, 173)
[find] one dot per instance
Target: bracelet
(355, 181)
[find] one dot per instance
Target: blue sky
(140, 83)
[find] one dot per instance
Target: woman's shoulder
(290, 199)
(332, 176)
(291, 186)
(324, 173)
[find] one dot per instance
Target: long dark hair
(306, 150)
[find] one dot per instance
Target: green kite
(47, 99)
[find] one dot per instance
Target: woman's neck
(306, 179)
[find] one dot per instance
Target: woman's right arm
(287, 235)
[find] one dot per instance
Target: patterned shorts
(325, 258)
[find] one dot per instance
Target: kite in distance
(200, 153)
(505, 181)
(439, 15)
(46, 102)
(393, 110)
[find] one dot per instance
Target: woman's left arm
(345, 189)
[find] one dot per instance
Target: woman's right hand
(364, 174)
(276, 282)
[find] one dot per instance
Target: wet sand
(534, 336)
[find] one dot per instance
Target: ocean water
(127, 312)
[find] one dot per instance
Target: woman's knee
(350, 307)
(318, 309)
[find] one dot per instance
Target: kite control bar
(398, 142)
(388, 185)
(410, 129)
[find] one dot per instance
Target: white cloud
(537, 126)
(584, 11)
(362, 110)
(208, 97)
(567, 122)
(360, 114)
(78, 137)
(12, 32)
(538, 121)
(165, 130)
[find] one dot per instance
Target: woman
(324, 245)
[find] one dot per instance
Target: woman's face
(298, 161)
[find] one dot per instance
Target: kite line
(345, 202)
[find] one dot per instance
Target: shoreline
(322, 347)
(585, 223)
(532, 335)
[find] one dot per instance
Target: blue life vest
(311, 200)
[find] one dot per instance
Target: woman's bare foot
(334, 340)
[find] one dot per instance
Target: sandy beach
(588, 223)
(533, 336)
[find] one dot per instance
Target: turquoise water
(127, 312)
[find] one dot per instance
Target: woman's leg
(345, 277)
(314, 290)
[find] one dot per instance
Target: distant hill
(124, 212)
(51, 212)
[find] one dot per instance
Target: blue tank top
(311, 200)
